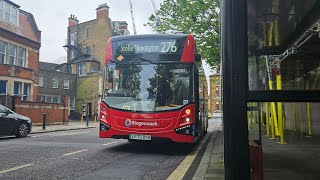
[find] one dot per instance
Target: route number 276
(168, 47)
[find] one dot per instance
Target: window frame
(64, 84)
(4, 53)
(1, 8)
(41, 80)
(6, 87)
(72, 103)
(14, 55)
(55, 81)
(9, 13)
(19, 88)
(22, 59)
(80, 70)
(25, 96)
(14, 15)
(4, 11)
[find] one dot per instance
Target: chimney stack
(103, 11)
(73, 20)
(123, 25)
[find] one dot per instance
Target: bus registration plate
(140, 137)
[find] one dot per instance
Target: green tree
(198, 17)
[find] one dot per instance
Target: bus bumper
(111, 132)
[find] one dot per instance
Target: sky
(52, 20)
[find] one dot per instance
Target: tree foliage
(198, 17)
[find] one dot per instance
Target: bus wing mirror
(198, 57)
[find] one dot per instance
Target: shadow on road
(164, 148)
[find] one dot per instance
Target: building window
(21, 57)
(217, 93)
(2, 52)
(17, 88)
(8, 13)
(217, 81)
(55, 83)
(55, 99)
(6, 8)
(13, 17)
(41, 78)
(88, 33)
(93, 68)
(72, 39)
(88, 50)
(12, 54)
(82, 69)
(3, 87)
(72, 103)
(26, 91)
(66, 84)
(1, 9)
(72, 55)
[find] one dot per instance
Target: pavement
(71, 125)
(211, 166)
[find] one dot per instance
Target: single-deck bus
(151, 89)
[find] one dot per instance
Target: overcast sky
(52, 19)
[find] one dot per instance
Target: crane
(133, 22)
(132, 16)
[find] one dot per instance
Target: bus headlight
(187, 119)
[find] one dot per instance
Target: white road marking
(182, 169)
(68, 154)
(14, 168)
(109, 143)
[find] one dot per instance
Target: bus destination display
(148, 46)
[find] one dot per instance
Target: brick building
(20, 41)
(54, 83)
(86, 46)
(215, 93)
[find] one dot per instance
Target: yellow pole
(294, 117)
(274, 112)
(270, 33)
(280, 115)
(309, 120)
(267, 119)
(271, 123)
(81, 119)
(95, 119)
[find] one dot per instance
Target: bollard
(87, 119)
(44, 121)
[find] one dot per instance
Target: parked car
(12, 123)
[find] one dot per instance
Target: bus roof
(142, 36)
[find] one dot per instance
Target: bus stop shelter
(271, 60)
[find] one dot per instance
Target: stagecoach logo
(127, 122)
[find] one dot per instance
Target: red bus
(151, 89)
